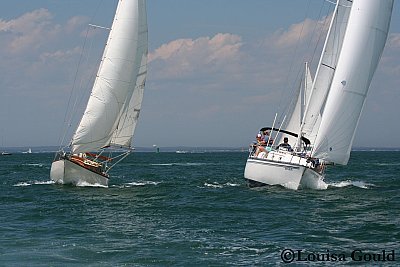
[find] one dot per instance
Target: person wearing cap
(264, 140)
(256, 143)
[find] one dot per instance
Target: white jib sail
(362, 48)
(109, 108)
(296, 115)
(294, 122)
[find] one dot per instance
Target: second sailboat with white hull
(329, 115)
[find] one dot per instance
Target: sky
(218, 70)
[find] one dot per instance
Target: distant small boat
(5, 153)
(181, 152)
(27, 152)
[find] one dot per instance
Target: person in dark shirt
(285, 144)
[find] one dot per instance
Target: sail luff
(362, 48)
(115, 82)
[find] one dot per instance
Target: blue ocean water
(195, 209)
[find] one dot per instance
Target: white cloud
(29, 31)
(75, 23)
(186, 57)
(393, 41)
(297, 34)
(60, 55)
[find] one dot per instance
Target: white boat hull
(290, 175)
(66, 172)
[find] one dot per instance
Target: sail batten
(111, 106)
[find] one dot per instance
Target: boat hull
(64, 171)
(293, 176)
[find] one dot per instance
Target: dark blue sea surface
(195, 209)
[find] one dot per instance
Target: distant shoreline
(178, 149)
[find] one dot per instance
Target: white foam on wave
(23, 184)
(347, 183)
(321, 185)
(143, 183)
(232, 184)
(162, 164)
(213, 185)
(30, 183)
(86, 184)
(34, 165)
(133, 184)
(217, 185)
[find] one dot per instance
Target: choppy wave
(194, 216)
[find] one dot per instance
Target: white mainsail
(326, 68)
(114, 105)
(362, 48)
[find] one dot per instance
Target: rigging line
(293, 62)
(79, 98)
(299, 78)
(86, 88)
(320, 37)
(82, 97)
(123, 156)
(66, 125)
(312, 38)
(66, 120)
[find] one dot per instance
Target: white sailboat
(114, 105)
(323, 132)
